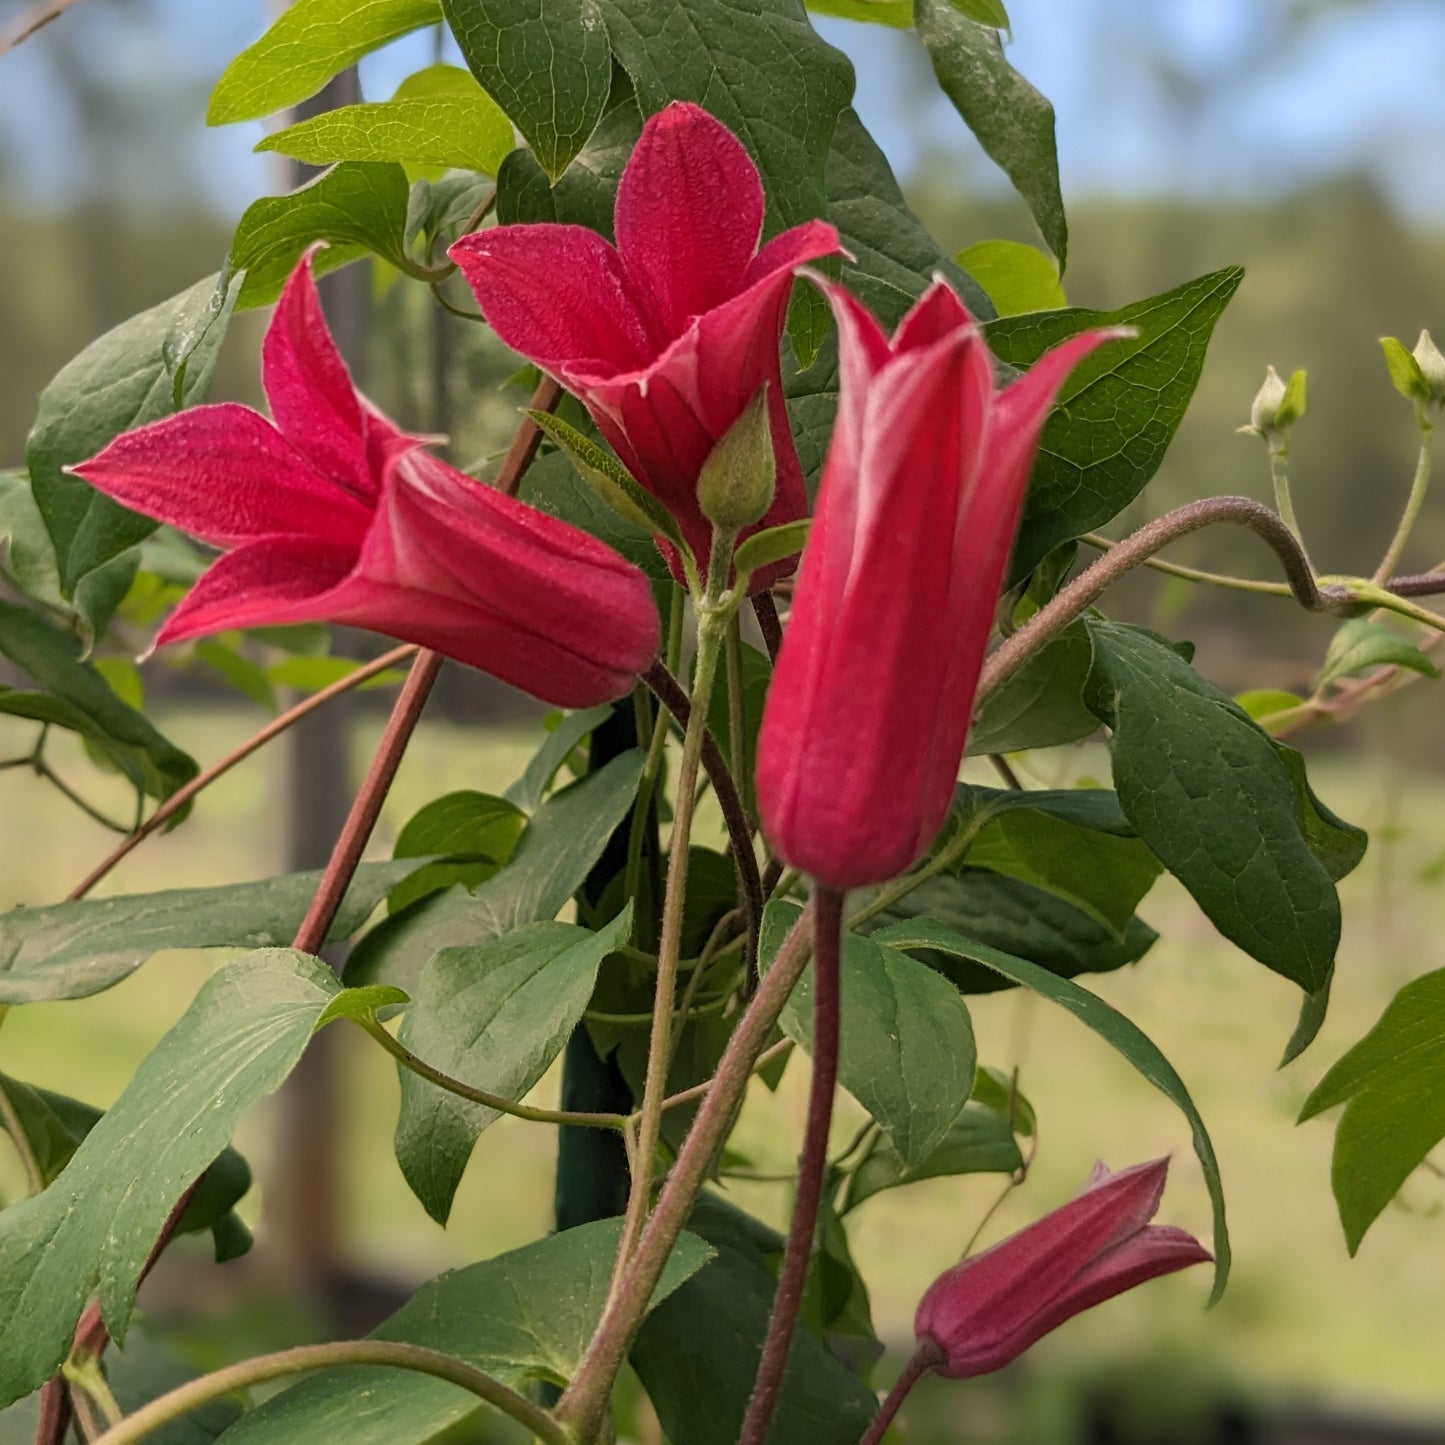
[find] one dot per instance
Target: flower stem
(827, 1025)
(1416, 500)
(765, 609)
(913, 1372)
(273, 729)
(584, 1404)
(10, 1123)
(1279, 476)
(1052, 619)
(1194, 574)
(659, 1048)
(424, 1070)
(195, 1393)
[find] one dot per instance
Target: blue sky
(1240, 108)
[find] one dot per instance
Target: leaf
(1017, 918)
(771, 545)
(1018, 278)
(83, 702)
(1214, 797)
(528, 791)
(1405, 376)
(94, 1228)
(356, 206)
(1362, 645)
(736, 58)
(1042, 704)
(445, 120)
(494, 1016)
(361, 1004)
(522, 1317)
(1109, 1024)
(556, 852)
(54, 1125)
(1392, 1084)
(896, 14)
(907, 1052)
(698, 1352)
(138, 372)
(464, 823)
(546, 62)
(30, 554)
(1072, 848)
(612, 482)
(979, 1141)
(1014, 123)
(73, 950)
(1119, 409)
(311, 41)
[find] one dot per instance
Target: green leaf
(442, 117)
(311, 41)
(94, 1228)
(311, 674)
(138, 372)
(1119, 409)
(82, 701)
(361, 1004)
(979, 1141)
(224, 655)
(736, 58)
(771, 545)
(1071, 844)
(358, 207)
(1212, 794)
(896, 14)
(30, 554)
(522, 1317)
(698, 1352)
(463, 823)
(1263, 702)
(1013, 122)
(907, 1052)
(986, 12)
(548, 65)
(528, 791)
(1405, 376)
(73, 950)
(1392, 1084)
(1018, 278)
(494, 1016)
(1042, 704)
(1017, 918)
(1109, 1024)
(612, 482)
(1361, 645)
(556, 852)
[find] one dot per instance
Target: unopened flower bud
(1432, 367)
(735, 488)
(1277, 406)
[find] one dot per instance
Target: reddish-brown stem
(37, 19)
(668, 691)
(924, 1359)
(272, 730)
(528, 438)
(813, 1165)
(54, 1413)
(765, 609)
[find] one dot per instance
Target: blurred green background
(1301, 138)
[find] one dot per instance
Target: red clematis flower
(988, 1310)
(921, 495)
(331, 514)
(667, 336)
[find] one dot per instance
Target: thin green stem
(1193, 574)
(44, 770)
(585, 1402)
(87, 1376)
(659, 1048)
(10, 1122)
(1279, 477)
(220, 1383)
(424, 1070)
(697, 1091)
(812, 1167)
(1416, 500)
(951, 853)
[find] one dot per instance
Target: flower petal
(310, 391)
(558, 295)
(791, 249)
(266, 583)
(936, 314)
(689, 214)
(225, 474)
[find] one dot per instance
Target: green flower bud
(736, 486)
(1277, 406)
(1432, 367)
